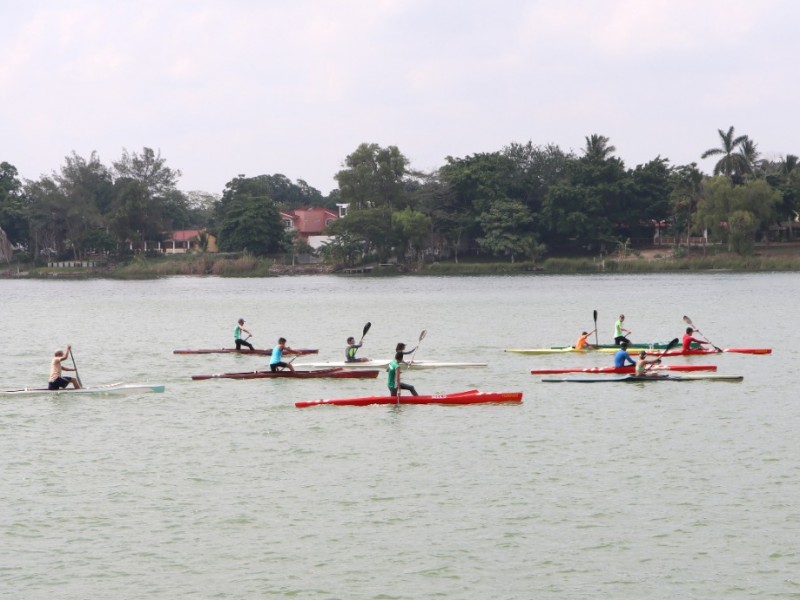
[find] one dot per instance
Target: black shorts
(59, 383)
(274, 367)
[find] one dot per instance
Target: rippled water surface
(223, 489)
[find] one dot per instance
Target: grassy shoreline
(140, 267)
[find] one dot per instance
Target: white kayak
(380, 364)
(111, 388)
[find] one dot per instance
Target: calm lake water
(223, 489)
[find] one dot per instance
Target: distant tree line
(521, 202)
(88, 207)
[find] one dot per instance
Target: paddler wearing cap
(622, 358)
(58, 381)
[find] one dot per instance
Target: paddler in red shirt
(689, 339)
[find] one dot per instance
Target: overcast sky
(229, 87)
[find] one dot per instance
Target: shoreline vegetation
(773, 257)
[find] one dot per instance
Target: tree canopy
(513, 202)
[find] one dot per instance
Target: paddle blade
(366, 329)
(423, 334)
(594, 314)
(687, 320)
(672, 344)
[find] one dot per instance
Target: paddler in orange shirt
(582, 343)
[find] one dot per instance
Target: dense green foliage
(88, 208)
(516, 204)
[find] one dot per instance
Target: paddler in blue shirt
(622, 358)
(275, 361)
(237, 336)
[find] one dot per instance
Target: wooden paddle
(366, 329)
(74, 366)
(413, 354)
(397, 383)
(688, 321)
(596, 342)
(669, 347)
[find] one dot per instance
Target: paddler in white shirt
(642, 365)
(58, 381)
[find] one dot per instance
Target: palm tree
(789, 164)
(597, 147)
(731, 164)
(749, 151)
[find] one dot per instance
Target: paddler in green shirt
(350, 352)
(620, 333)
(394, 377)
(237, 336)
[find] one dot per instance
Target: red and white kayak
(321, 373)
(623, 370)
(255, 351)
(467, 397)
(704, 351)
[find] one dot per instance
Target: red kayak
(703, 351)
(468, 397)
(623, 370)
(255, 351)
(327, 373)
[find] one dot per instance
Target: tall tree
(138, 217)
(412, 229)
(536, 169)
(685, 190)
(248, 219)
(506, 227)
(89, 192)
(598, 148)
(749, 151)
(13, 213)
(149, 169)
(46, 210)
(373, 178)
(373, 183)
(721, 198)
(593, 207)
(732, 164)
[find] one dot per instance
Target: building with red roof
(309, 223)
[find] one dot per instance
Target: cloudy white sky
(228, 87)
